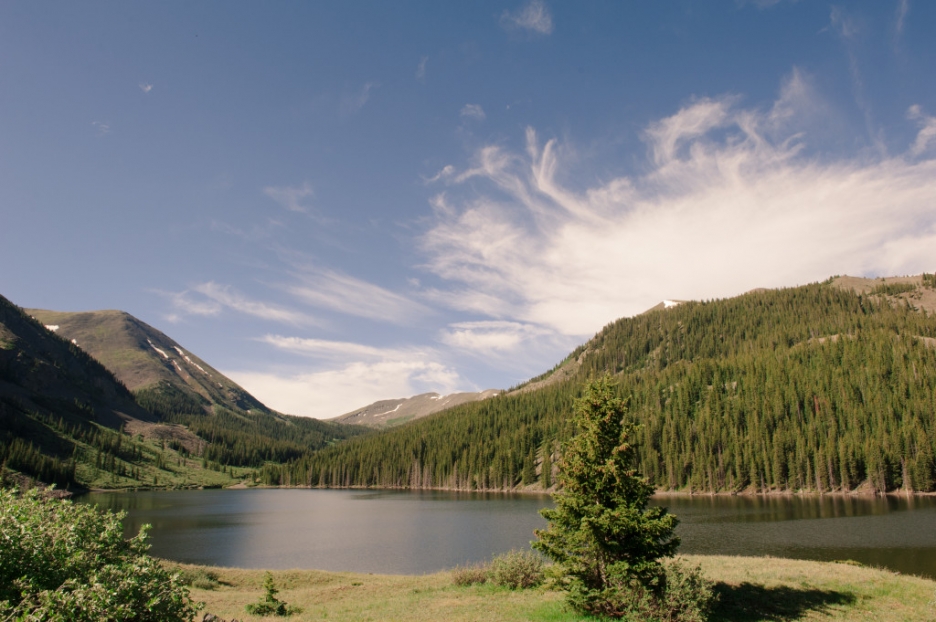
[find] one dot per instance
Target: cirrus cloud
(534, 16)
(730, 200)
(350, 375)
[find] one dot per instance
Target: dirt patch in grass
(166, 432)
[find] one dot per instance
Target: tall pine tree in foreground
(601, 532)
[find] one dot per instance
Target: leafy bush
(677, 594)
(269, 605)
(200, 578)
(70, 563)
(470, 575)
(517, 570)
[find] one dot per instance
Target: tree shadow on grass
(748, 602)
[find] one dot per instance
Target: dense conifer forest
(812, 388)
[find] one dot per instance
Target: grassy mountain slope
(809, 388)
(55, 400)
(181, 388)
(144, 358)
(69, 417)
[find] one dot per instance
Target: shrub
(70, 563)
(200, 578)
(470, 575)
(517, 570)
(677, 594)
(269, 604)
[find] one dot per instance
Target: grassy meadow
(750, 589)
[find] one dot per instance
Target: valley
(822, 388)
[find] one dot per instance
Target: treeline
(167, 402)
(51, 448)
(23, 456)
(253, 439)
(809, 388)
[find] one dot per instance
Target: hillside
(813, 388)
(51, 394)
(141, 411)
(143, 358)
(389, 413)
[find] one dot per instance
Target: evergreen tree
(601, 532)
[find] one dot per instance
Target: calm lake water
(419, 532)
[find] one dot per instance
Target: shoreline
(853, 494)
(857, 493)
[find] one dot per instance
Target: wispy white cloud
(843, 23)
(145, 87)
(186, 305)
(926, 137)
(421, 68)
(729, 202)
(102, 128)
(353, 102)
(332, 392)
(227, 296)
(849, 31)
(446, 171)
(760, 4)
(342, 350)
(903, 8)
(473, 111)
(353, 296)
(534, 16)
(353, 375)
(211, 299)
(291, 197)
(487, 337)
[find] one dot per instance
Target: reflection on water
(893, 532)
(363, 531)
(418, 532)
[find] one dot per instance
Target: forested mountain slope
(179, 387)
(808, 388)
(48, 383)
(67, 418)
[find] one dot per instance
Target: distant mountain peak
(392, 412)
(144, 358)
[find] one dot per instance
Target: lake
(415, 532)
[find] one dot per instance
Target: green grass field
(749, 588)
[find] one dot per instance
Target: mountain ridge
(70, 418)
(391, 412)
(145, 358)
(759, 392)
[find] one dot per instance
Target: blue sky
(339, 202)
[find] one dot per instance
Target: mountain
(48, 384)
(41, 372)
(824, 387)
(110, 401)
(388, 413)
(145, 359)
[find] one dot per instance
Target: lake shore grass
(750, 589)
